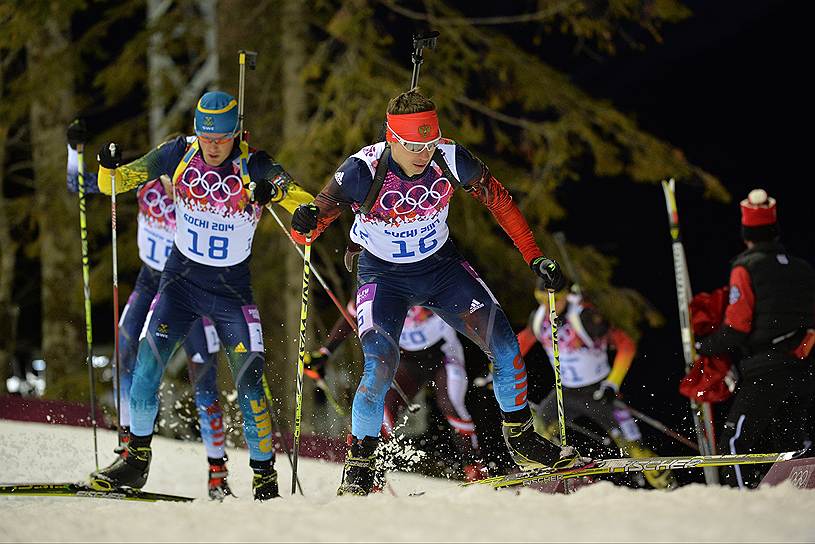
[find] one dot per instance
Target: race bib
(252, 316)
(155, 243)
(213, 342)
(365, 307)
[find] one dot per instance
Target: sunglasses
(416, 147)
(217, 139)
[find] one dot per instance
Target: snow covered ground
(446, 513)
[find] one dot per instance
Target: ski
(628, 465)
(702, 412)
(84, 490)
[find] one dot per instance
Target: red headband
(414, 127)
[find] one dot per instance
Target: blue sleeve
(72, 177)
(354, 179)
(468, 168)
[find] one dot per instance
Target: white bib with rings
(156, 225)
(215, 221)
(408, 221)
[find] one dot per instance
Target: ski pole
(245, 58)
(412, 407)
(114, 255)
(701, 412)
(314, 270)
(320, 382)
(249, 58)
(301, 356)
(662, 428)
(556, 365)
(277, 428)
(83, 234)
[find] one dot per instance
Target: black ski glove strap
(549, 272)
(110, 155)
(304, 218)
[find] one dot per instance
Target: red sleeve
(331, 202)
(739, 312)
(498, 201)
(526, 339)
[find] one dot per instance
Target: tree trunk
(294, 108)
(9, 311)
(51, 107)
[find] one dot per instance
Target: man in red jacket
(769, 323)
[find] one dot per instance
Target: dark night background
(728, 87)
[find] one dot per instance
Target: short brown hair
(410, 102)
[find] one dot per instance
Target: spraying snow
(37, 452)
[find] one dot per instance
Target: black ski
(84, 490)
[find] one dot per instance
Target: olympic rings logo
(800, 478)
(158, 205)
(211, 184)
(417, 196)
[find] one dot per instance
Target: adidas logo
(475, 305)
(338, 176)
(240, 348)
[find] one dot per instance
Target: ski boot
(530, 450)
(359, 470)
(217, 486)
(130, 469)
(264, 481)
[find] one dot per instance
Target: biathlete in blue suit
(156, 229)
(206, 274)
(400, 191)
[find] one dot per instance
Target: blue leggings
(201, 346)
(448, 285)
(189, 291)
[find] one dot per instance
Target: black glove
(550, 273)
(606, 393)
(77, 133)
(110, 155)
(304, 218)
(264, 191)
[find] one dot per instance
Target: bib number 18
(217, 247)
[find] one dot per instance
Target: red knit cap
(758, 209)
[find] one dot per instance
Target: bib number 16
(426, 243)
